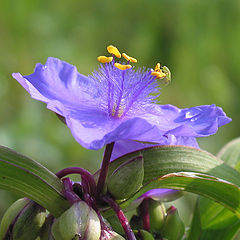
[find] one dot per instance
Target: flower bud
(29, 222)
(173, 227)
(157, 214)
(45, 232)
(111, 235)
(78, 222)
(10, 216)
(144, 235)
(126, 179)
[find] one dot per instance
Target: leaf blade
(21, 174)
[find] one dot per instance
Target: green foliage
(188, 169)
(25, 176)
(212, 220)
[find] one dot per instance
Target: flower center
(124, 89)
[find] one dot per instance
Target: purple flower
(115, 105)
(160, 194)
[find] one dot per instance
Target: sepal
(173, 227)
(157, 215)
(79, 221)
(144, 235)
(10, 217)
(29, 222)
(126, 179)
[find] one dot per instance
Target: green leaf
(27, 177)
(213, 215)
(181, 166)
(162, 160)
(230, 153)
(231, 232)
(224, 192)
(195, 228)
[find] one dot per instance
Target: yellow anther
(104, 59)
(158, 74)
(122, 67)
(128, 58)
(157, 68)
(113, 50)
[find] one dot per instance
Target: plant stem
(145, 214)
(122, 218)
(77, 170)
(104, 168)
(68, 191)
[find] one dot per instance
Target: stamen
(122, 67)
(157, 68)
(120, 110)
(104, 59)
(113, 50)
(128, 58)
(158, 74)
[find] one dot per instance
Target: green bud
(157, 213)
(10, 216)
(113, 236)
(126, 179)
(78, 221)
(45, 232)
(29, 222)
(144, 235)
(173, 228)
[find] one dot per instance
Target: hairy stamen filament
(137, 93)
(118, 110)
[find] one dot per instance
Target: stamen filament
(139, 92)
(118, 105)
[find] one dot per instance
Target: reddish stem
(84, 173)
(104, 168)
(122, 218)
(145, 214)
(68, 191)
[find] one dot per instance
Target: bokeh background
(198, 40)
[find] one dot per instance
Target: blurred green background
(198, 40)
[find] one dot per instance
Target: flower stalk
(122, 218)
(145, 214)
(104, 167)
(68, 191)
(84, 173)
